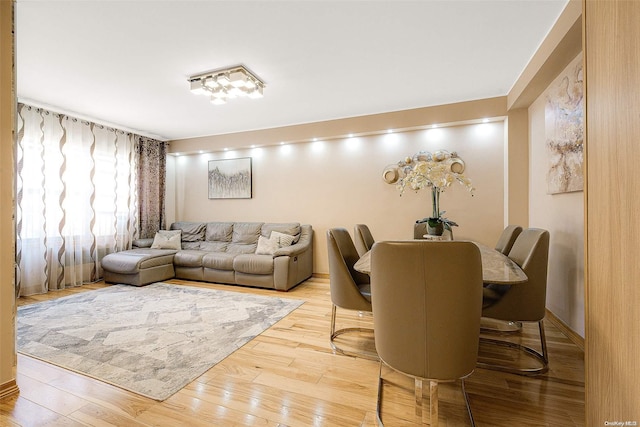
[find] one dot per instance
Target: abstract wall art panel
(564, 131)
(230, 178)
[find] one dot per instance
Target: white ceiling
(126, 63)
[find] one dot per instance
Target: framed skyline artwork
(230, 178)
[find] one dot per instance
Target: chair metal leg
(433, 400)
(505, 328)
(379, 399)
(418, 397)
(336, 333)
(543, 342)
(433, 403)
(542, 358)
(466, 402)
(333, 320)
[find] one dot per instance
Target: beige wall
(170, 191)
(7, 286)
(460, 112)
(563, 216)
(337, 183)
(517, 168)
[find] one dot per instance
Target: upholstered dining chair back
(427, 298)
(525, 302)
(363, 238)
(508, 238)
(348, 286)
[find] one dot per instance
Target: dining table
(497, 268)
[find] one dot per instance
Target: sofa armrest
(292, 250)
(294, 264)
(142, 243)
(303, 245)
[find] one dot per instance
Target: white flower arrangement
(432, 174)
(436, 171)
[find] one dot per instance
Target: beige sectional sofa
(266, 255)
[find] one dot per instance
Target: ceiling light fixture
(227, 83)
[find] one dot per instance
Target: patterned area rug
(151, 340)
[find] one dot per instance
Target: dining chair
(503, 245)
(349, 288)
(426, 298)
(363, 238)
(523, 302)
(507, 238)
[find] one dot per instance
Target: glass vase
(435, 227)
(435, 201)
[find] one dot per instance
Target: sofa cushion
(242, 248)
(134, 260)
(142, 243)
(219, 231)
(253, 264)
(218, 260)
(214, 246)
(191, 231)
(292, 229)
(194, 246)
(246, 232)
(188, 258)
(245, 237)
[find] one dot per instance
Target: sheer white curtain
(76, 199)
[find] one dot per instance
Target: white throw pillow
(266, 246)
(167, 239)
(282, 239)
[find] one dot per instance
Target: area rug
(151, 340)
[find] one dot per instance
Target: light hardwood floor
(288, 376)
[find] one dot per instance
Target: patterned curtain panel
(152, 164)
(76, 199)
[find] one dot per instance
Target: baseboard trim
(320, 275)
(8, 389)
(566, 330)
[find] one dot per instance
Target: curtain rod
(56, 110)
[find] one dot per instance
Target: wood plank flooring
(288, 376)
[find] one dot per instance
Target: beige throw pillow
(167, 239)
(266, 246)
(282, 239)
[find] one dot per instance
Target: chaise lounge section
(139, 266)
(267, 255)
